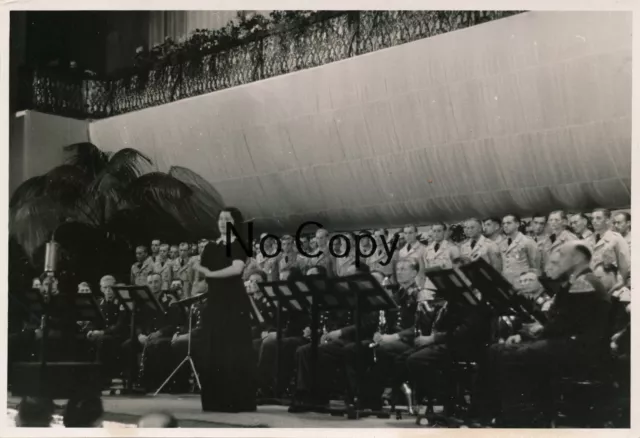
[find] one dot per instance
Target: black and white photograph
(317, 219)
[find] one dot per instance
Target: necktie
(181, 262)
(535, 239)
(437, 247)
(597, 238)
(409, 248)
(286, 259)
(553, 238)
(474, 243)
(509, 241)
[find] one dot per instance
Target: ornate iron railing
(328, 38)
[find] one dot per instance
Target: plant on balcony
(99, 205)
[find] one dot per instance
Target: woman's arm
(236, 268)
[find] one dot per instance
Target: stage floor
(186, 408)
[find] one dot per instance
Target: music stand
(291, 296)
(186, 306)
(453, 286)
(361, 293)
(498, 293)
(135, 298)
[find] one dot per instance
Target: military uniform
(551, 243)
(182, 271)
(325, 259)
(482, 248)
(609, 247)
(379, 257)
(140, 271)
(414, 251)
(165, 269)
(585, 234)
(518, 256)
(509, 325)
(115, 331)
(286, 261)
(574, 337)
(198, 281)
(153, 367)
(440, 255)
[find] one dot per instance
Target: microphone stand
(187, 358)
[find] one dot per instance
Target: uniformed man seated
(109, 336)
(154, 333)
(575, 337)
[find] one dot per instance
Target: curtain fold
(523, 114)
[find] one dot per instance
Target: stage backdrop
(522, 114)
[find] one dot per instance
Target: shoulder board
(581, 285)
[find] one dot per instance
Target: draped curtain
(524, 114)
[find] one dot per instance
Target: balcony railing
(327, 37)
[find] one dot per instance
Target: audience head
(106, 286)
(194, 249)
(142, 253)
(201, 245)
(528, 283)
(553, 268)
(84, 288)
(35, 412)
(254, 277)
(410, 234)
(608, 274)
(83, 412)
(579, 223)
(472, 228)
(438, 231)
(36, 283)
(322, 237)
(622, 222)
(163, 253)
(49, 280)
(511, 224)
(155, 246)
(538, 224)
(557, 221)
(407, 270)
(600, 219)
(574, 255)
(183, 250)
(176, 285)
(158, 420)
(287, 243)
(491, 226)
(154, 282)
(173, 252)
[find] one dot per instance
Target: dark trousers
(156, 364)
(329, 367)
(268, 361)
(513, 377)
(108, 351)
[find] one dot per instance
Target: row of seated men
(585, 315)
(158, 336)
(416, 344)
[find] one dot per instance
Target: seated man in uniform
(573, 338)
(154, 333)
(402, 332)
(108, 337)
(293, 325)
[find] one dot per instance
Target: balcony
(210, 61)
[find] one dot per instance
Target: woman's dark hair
(83, 412)
(238, 222)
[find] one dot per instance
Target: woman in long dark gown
(228, 363)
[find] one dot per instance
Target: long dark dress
(228, 362)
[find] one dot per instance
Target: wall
(37, 142)
(522, 114)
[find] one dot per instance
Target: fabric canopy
(523, 114)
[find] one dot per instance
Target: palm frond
(31, 188)
(88, 157)
(66, 184)
(158, 189)
(128, 164)
(193, 179)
